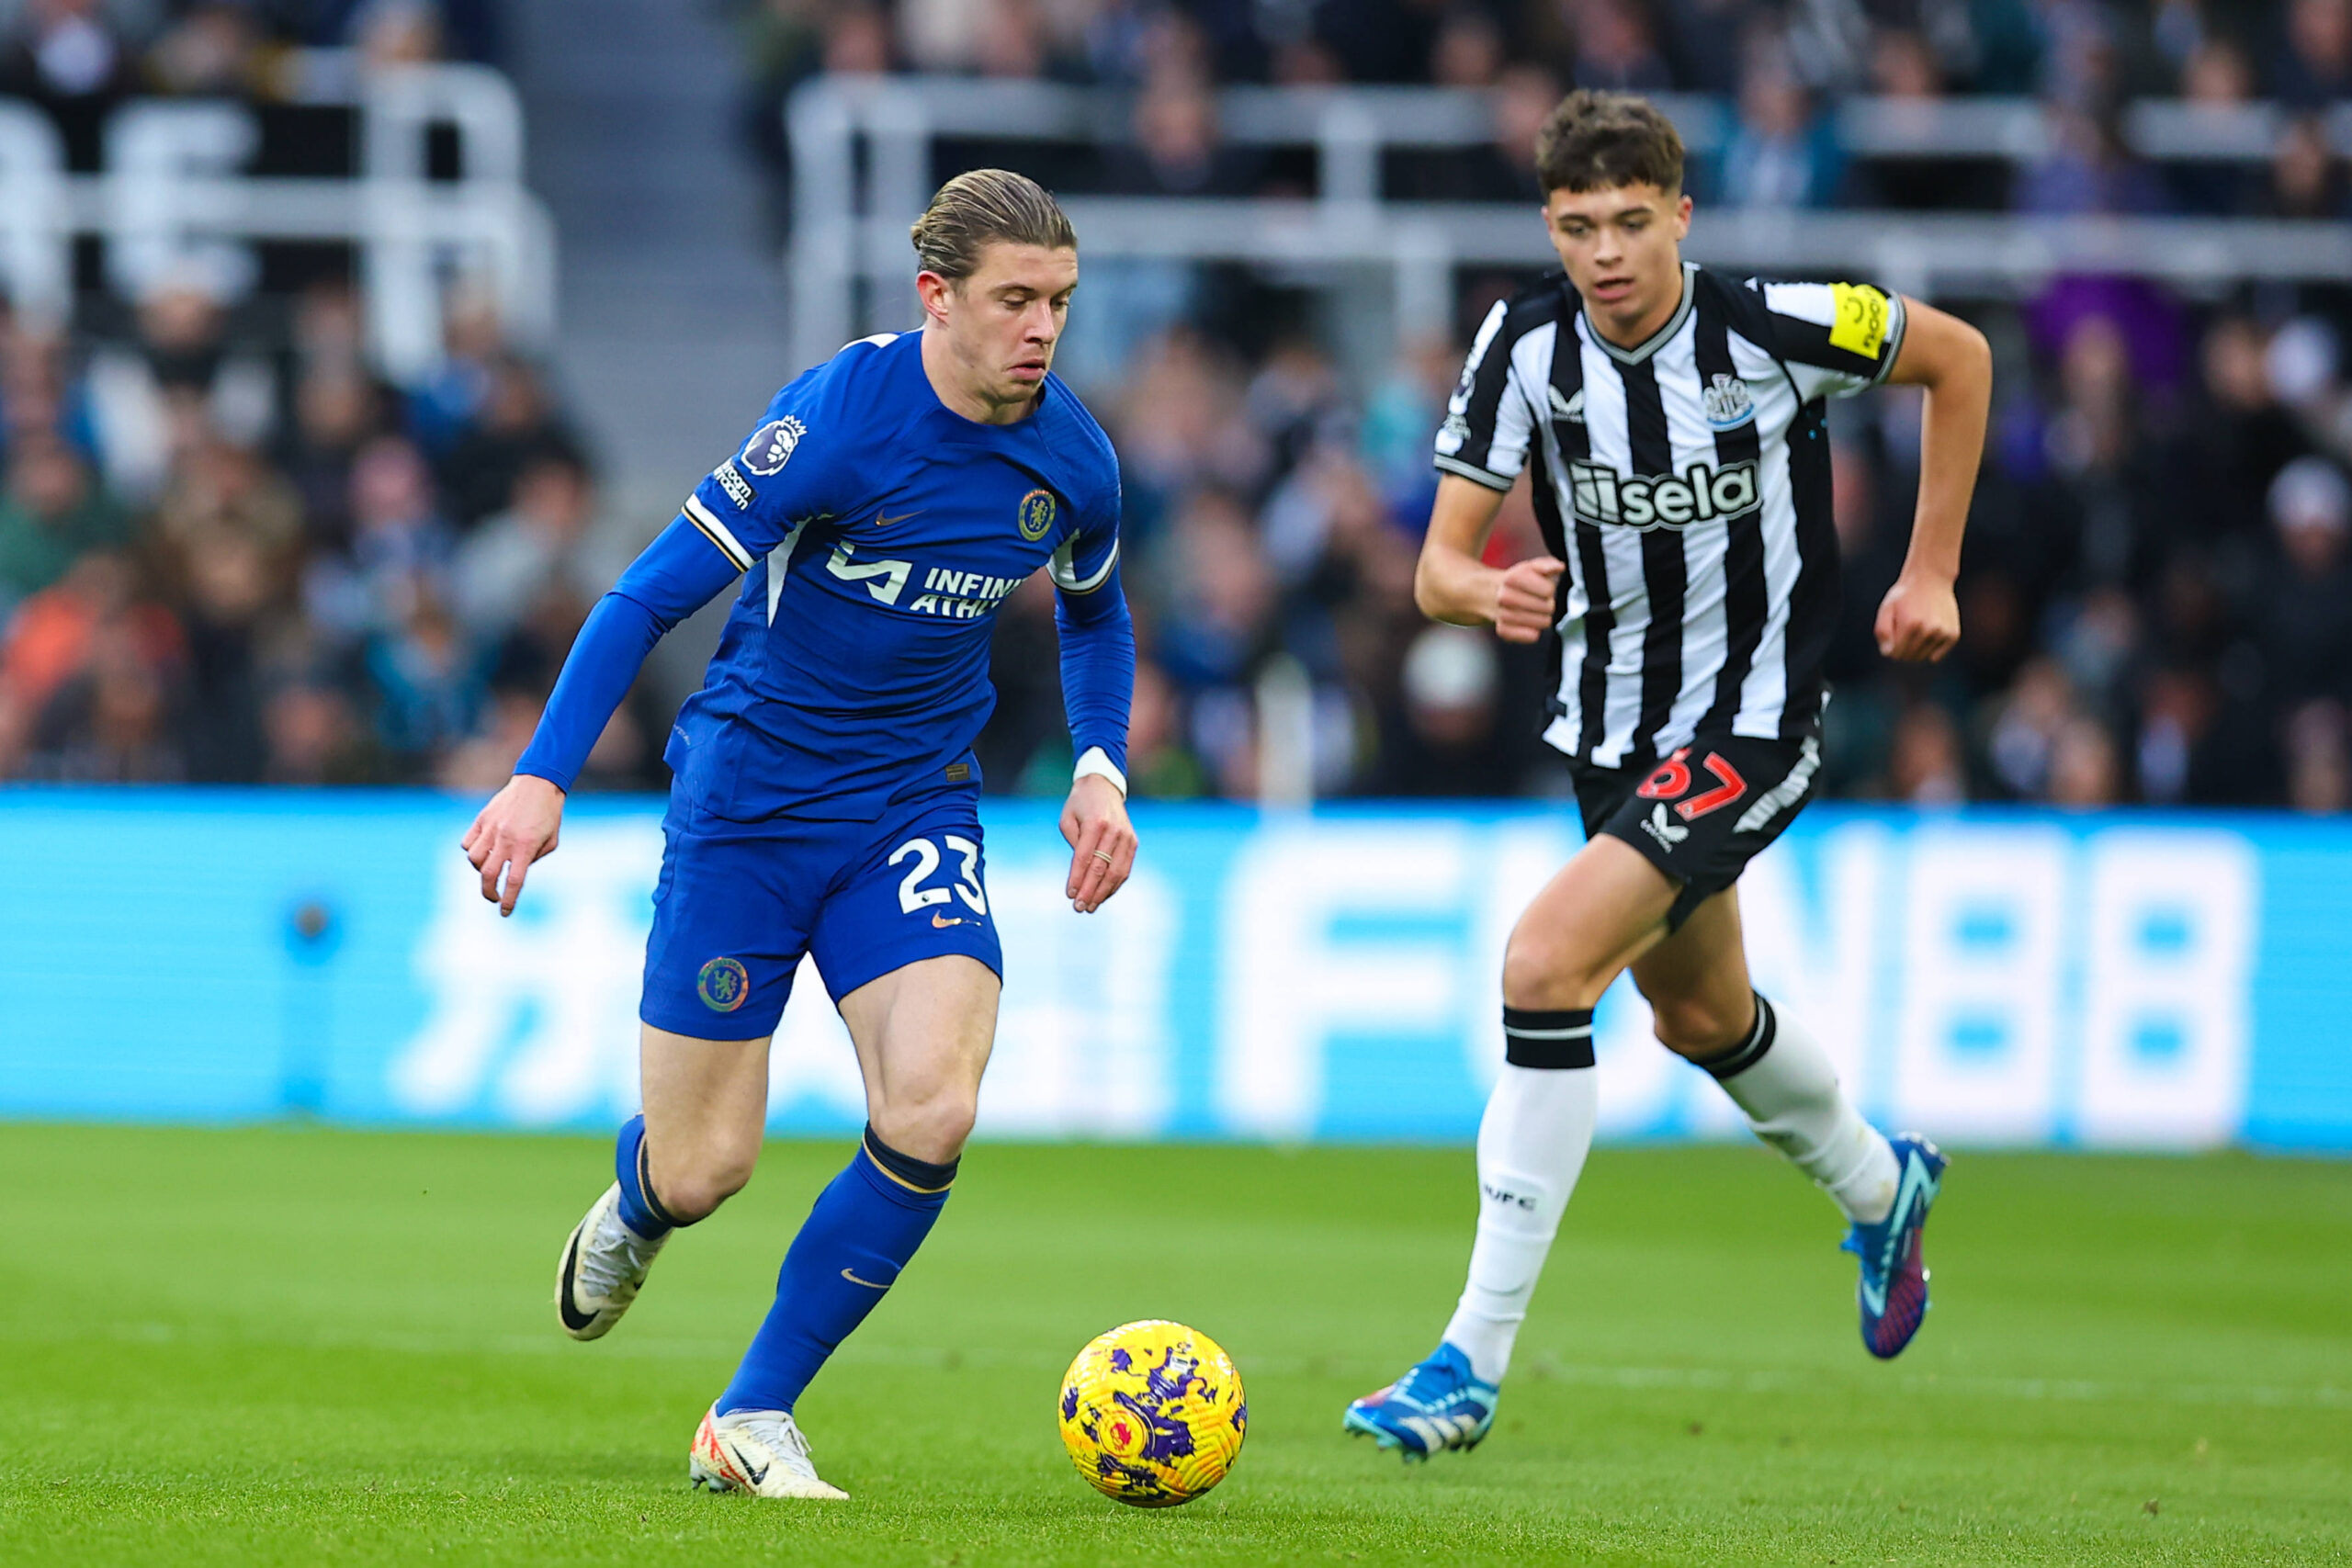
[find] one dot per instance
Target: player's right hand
(1526, 599)
(518, 825)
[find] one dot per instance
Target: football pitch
(299, 1345)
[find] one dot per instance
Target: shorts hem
(1691, 891)
(748, 1024)
(877, 964)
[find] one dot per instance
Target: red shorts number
(1671, 780)
(1730, 787)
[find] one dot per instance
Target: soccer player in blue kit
(825, 795)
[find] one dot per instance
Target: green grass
(295, 1346)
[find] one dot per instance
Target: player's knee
(1701, 1026)
(1544, 973)
(932, 1126)
(702, 1183)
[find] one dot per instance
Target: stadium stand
(249, 534)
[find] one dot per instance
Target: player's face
(1004, 321)
(1622, 250)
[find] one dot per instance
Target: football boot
(603, 1265)
(1439, 1405)
(762, 1453)
(1894, 1288)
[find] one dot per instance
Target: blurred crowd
(2293, 50)
(1779, 65)
(232, 552)
(79, 57)
(2158, 601)
(2157, 595)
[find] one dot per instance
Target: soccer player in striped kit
(1673, 424)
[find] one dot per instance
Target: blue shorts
(738, 903)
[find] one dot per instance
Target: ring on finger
(1102, 855)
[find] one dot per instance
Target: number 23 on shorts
(913, 898)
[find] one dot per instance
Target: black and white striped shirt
(1686, 483)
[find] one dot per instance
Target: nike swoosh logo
(882, 521)
(943, 923)
(867, 1283)
(571, 1319)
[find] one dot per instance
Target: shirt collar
(1657, 339)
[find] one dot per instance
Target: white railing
(36, 262)
(170, 196)
(850, 229)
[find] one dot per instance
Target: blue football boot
(1893, 1290)
(1439, 1405)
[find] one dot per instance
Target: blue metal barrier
(2145, 980)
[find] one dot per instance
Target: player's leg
(689, 1151)
(706, 1112)
(1604, 908)
(1706, 1009)
(923, 1034)
(704, 1103)
(1779, 1074)
(907, 943)
(725, 940)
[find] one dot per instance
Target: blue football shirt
(878, 532)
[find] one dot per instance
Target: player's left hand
(1919, 619)
(1102, 842)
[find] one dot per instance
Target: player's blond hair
(985, 205)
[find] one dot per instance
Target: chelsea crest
(1035, 517)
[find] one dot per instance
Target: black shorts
(1702, 814)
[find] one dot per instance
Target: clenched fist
(1526, 598)
(1918, 620)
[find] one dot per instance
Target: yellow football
(1152, 1414)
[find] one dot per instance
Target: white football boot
(604, 1264)
(759, 1452)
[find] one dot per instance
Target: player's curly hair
(1600, 141)
(985, 205)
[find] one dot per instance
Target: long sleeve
(1098, 645)
(729, 524)
(676, 575)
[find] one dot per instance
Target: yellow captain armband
(1863, 314)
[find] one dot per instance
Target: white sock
(1532, 1143)
(1782, 1078)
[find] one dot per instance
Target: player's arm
(678, 573)
(1920, 618)
(1489, 421)
(1837, 339)
(1452, 584)
(1098, 660)
(733, 518)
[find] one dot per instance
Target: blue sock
(865, 1227)
(640, 1210)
